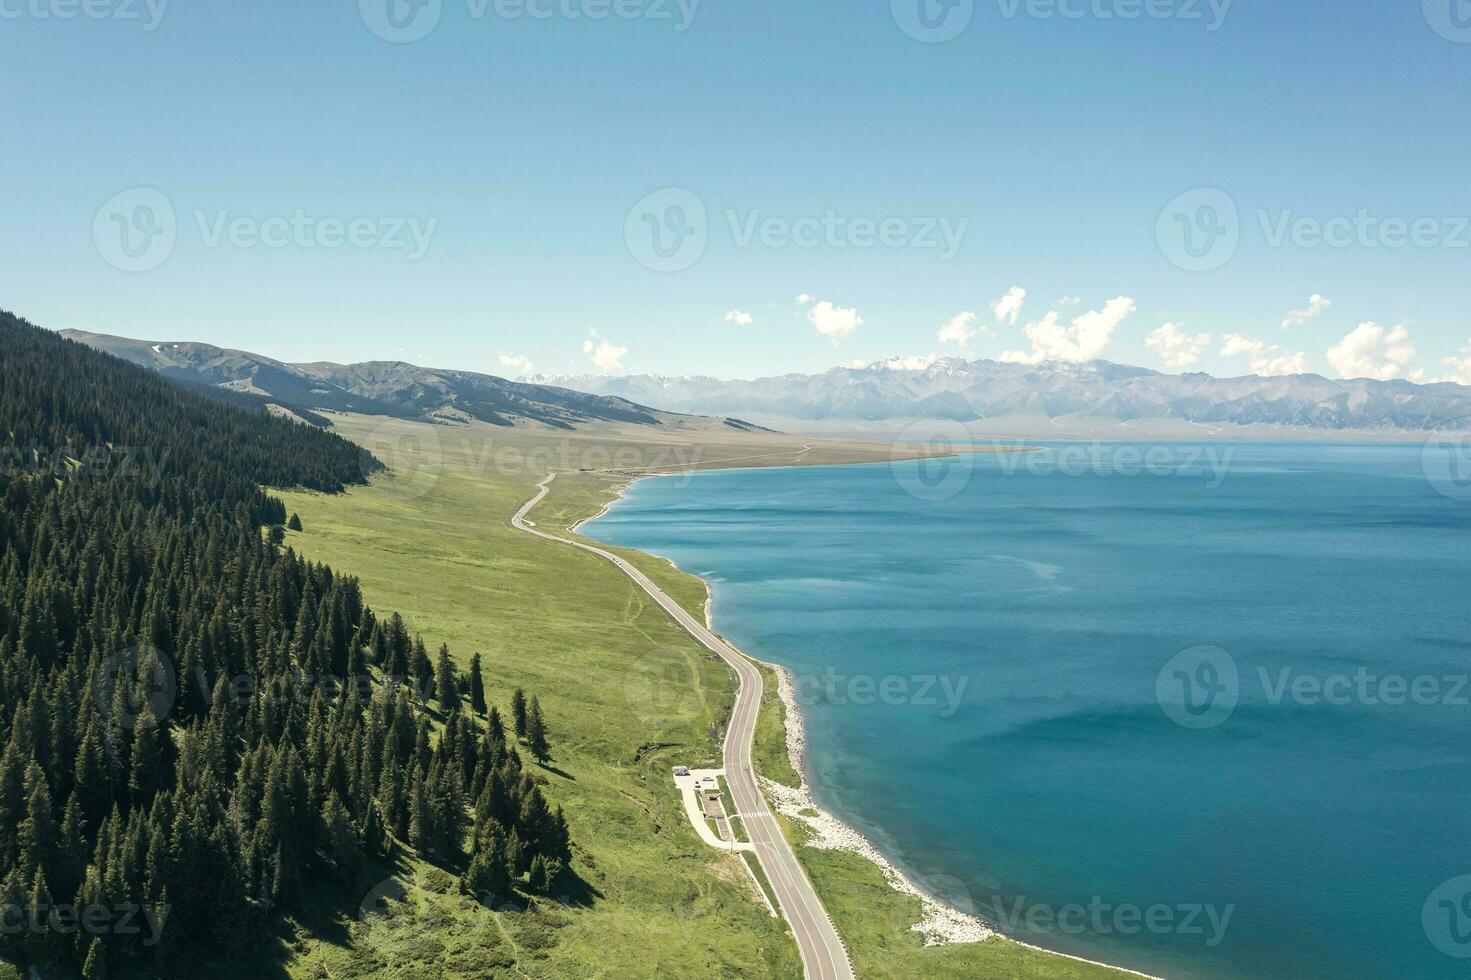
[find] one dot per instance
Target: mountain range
(1053, 397)
(391, 388)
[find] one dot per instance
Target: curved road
(823, 955)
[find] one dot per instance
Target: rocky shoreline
(939, 923)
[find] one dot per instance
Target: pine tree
(518, 712)
(146, 773)
(477, 685)
(37, 833)
(71, 853)
(294, 524)
(95, 967)
(490, 872)
(90, 778)
(420, 822)
(422, 670)
(536, 733)
(537, 881)
(445, 689)
(44, 945)
(341, 839)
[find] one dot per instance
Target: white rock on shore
(939, 923)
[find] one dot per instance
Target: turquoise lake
(1204, 717)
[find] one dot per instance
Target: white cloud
(516, 362)
(1371, 351)
(1086, 337)
(1267, 361)
(739, 319)
(805, 298)
(1009, 307)
(857, 363)
(1462, 366)
(1316, 305)
(606, 356)
(834, 322)
(958, 329)
(1177, 348)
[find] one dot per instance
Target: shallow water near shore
(985, 666)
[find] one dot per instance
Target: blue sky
(803, 149)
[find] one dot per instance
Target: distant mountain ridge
(955, 389)
(381, 387)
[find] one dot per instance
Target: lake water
(1202, 717)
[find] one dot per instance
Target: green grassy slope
(626, 695)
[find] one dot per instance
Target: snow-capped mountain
(1096, 391)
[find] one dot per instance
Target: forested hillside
(202, 731)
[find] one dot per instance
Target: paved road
(823, 955)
